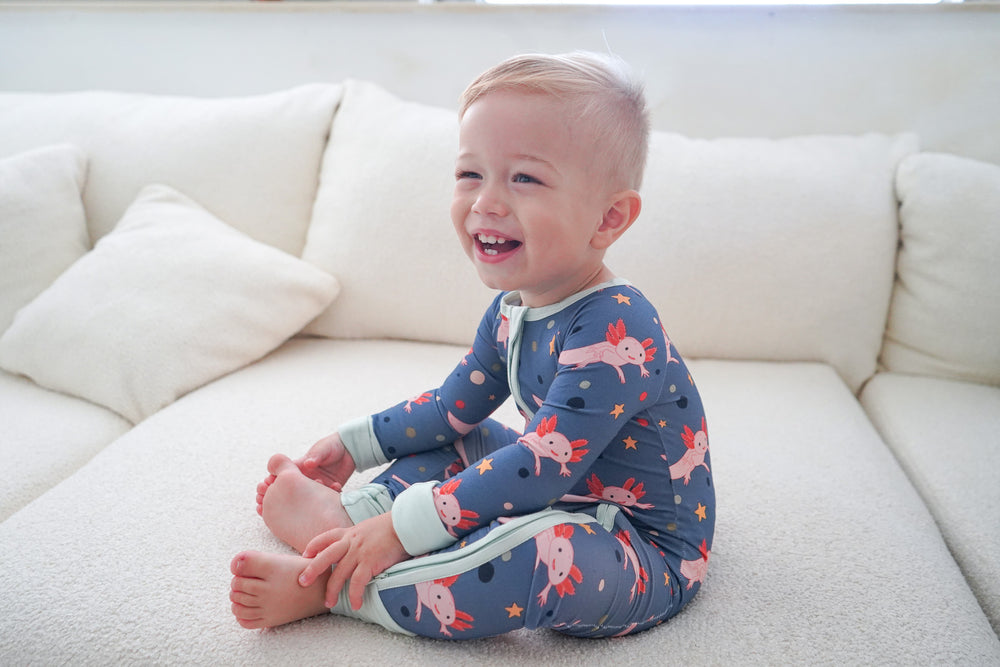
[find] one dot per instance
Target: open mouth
(495, 245)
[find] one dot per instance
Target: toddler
(598, 519)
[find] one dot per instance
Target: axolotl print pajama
(597, 521)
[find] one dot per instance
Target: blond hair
(603, 93)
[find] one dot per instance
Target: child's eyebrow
(535, 158)
(526, 157)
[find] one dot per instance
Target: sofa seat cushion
(736, 238)
(252, 161)
(945, 434)
(822, 547)
(45, 436)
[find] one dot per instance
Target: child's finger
(322, 562)
(322, 541)
(356, 590)
(344, 571)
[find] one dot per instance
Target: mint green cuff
(369, 501)
(359, 439)
(416, 522)
(372, 609)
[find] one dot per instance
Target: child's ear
(618, 217)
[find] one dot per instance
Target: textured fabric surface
(824, 552)
(42, 225)
(750, 248)
(45, 436)
(946, 434)
(252, 161)
(769, 249)
(945, 317)
(173, 298)
(386, 185)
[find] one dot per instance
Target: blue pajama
(596, 521)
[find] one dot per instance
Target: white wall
(710, 71)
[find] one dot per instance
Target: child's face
(526, 205)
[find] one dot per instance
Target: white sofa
(189, 284)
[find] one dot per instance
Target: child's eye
(459, 175)
(525, 178)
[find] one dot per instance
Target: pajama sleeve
(471, 393)
(583, 410)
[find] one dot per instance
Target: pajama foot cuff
(369, 501)
(372, 610)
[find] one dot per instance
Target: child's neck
(602, 275)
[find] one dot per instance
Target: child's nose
(490, 202)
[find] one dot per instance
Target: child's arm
(469, 394)
(583, 411)
(359, 552)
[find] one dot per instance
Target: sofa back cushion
(773, 249)
(382, 224)
(945, 315)
(43, 229)
(750, 248)
(252, 161)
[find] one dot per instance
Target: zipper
(501, 540)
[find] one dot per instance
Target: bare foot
(295, 507)
(266, 592)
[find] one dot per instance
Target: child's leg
(436, 464)
(576, 578)
(295, 507)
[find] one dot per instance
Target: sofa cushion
(822, 548)
(382, 224)
(945, 434)
(751, 248)
(769, 249)
(946, 303)
(42, 223)
(171, 299)
(46, 436)
(252, 161)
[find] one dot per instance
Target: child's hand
(360, 552)
(328, 461)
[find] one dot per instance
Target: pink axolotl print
(503, 330)
(666, 338)
(448, 509)
(556, 551)
(436, 596)
(697, 444)
(419, 400)
(641, 576)
(546, 442)
(617, 350)
(626, 495)
(695, 570)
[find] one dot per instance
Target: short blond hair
(606, 95)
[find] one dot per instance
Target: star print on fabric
(630, 442)
(618, 411)
(621, 298)
(666, 578)
(513, 611)
(663, 423)
(700, 511)
(484, 465)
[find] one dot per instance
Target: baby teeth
(483, 238)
